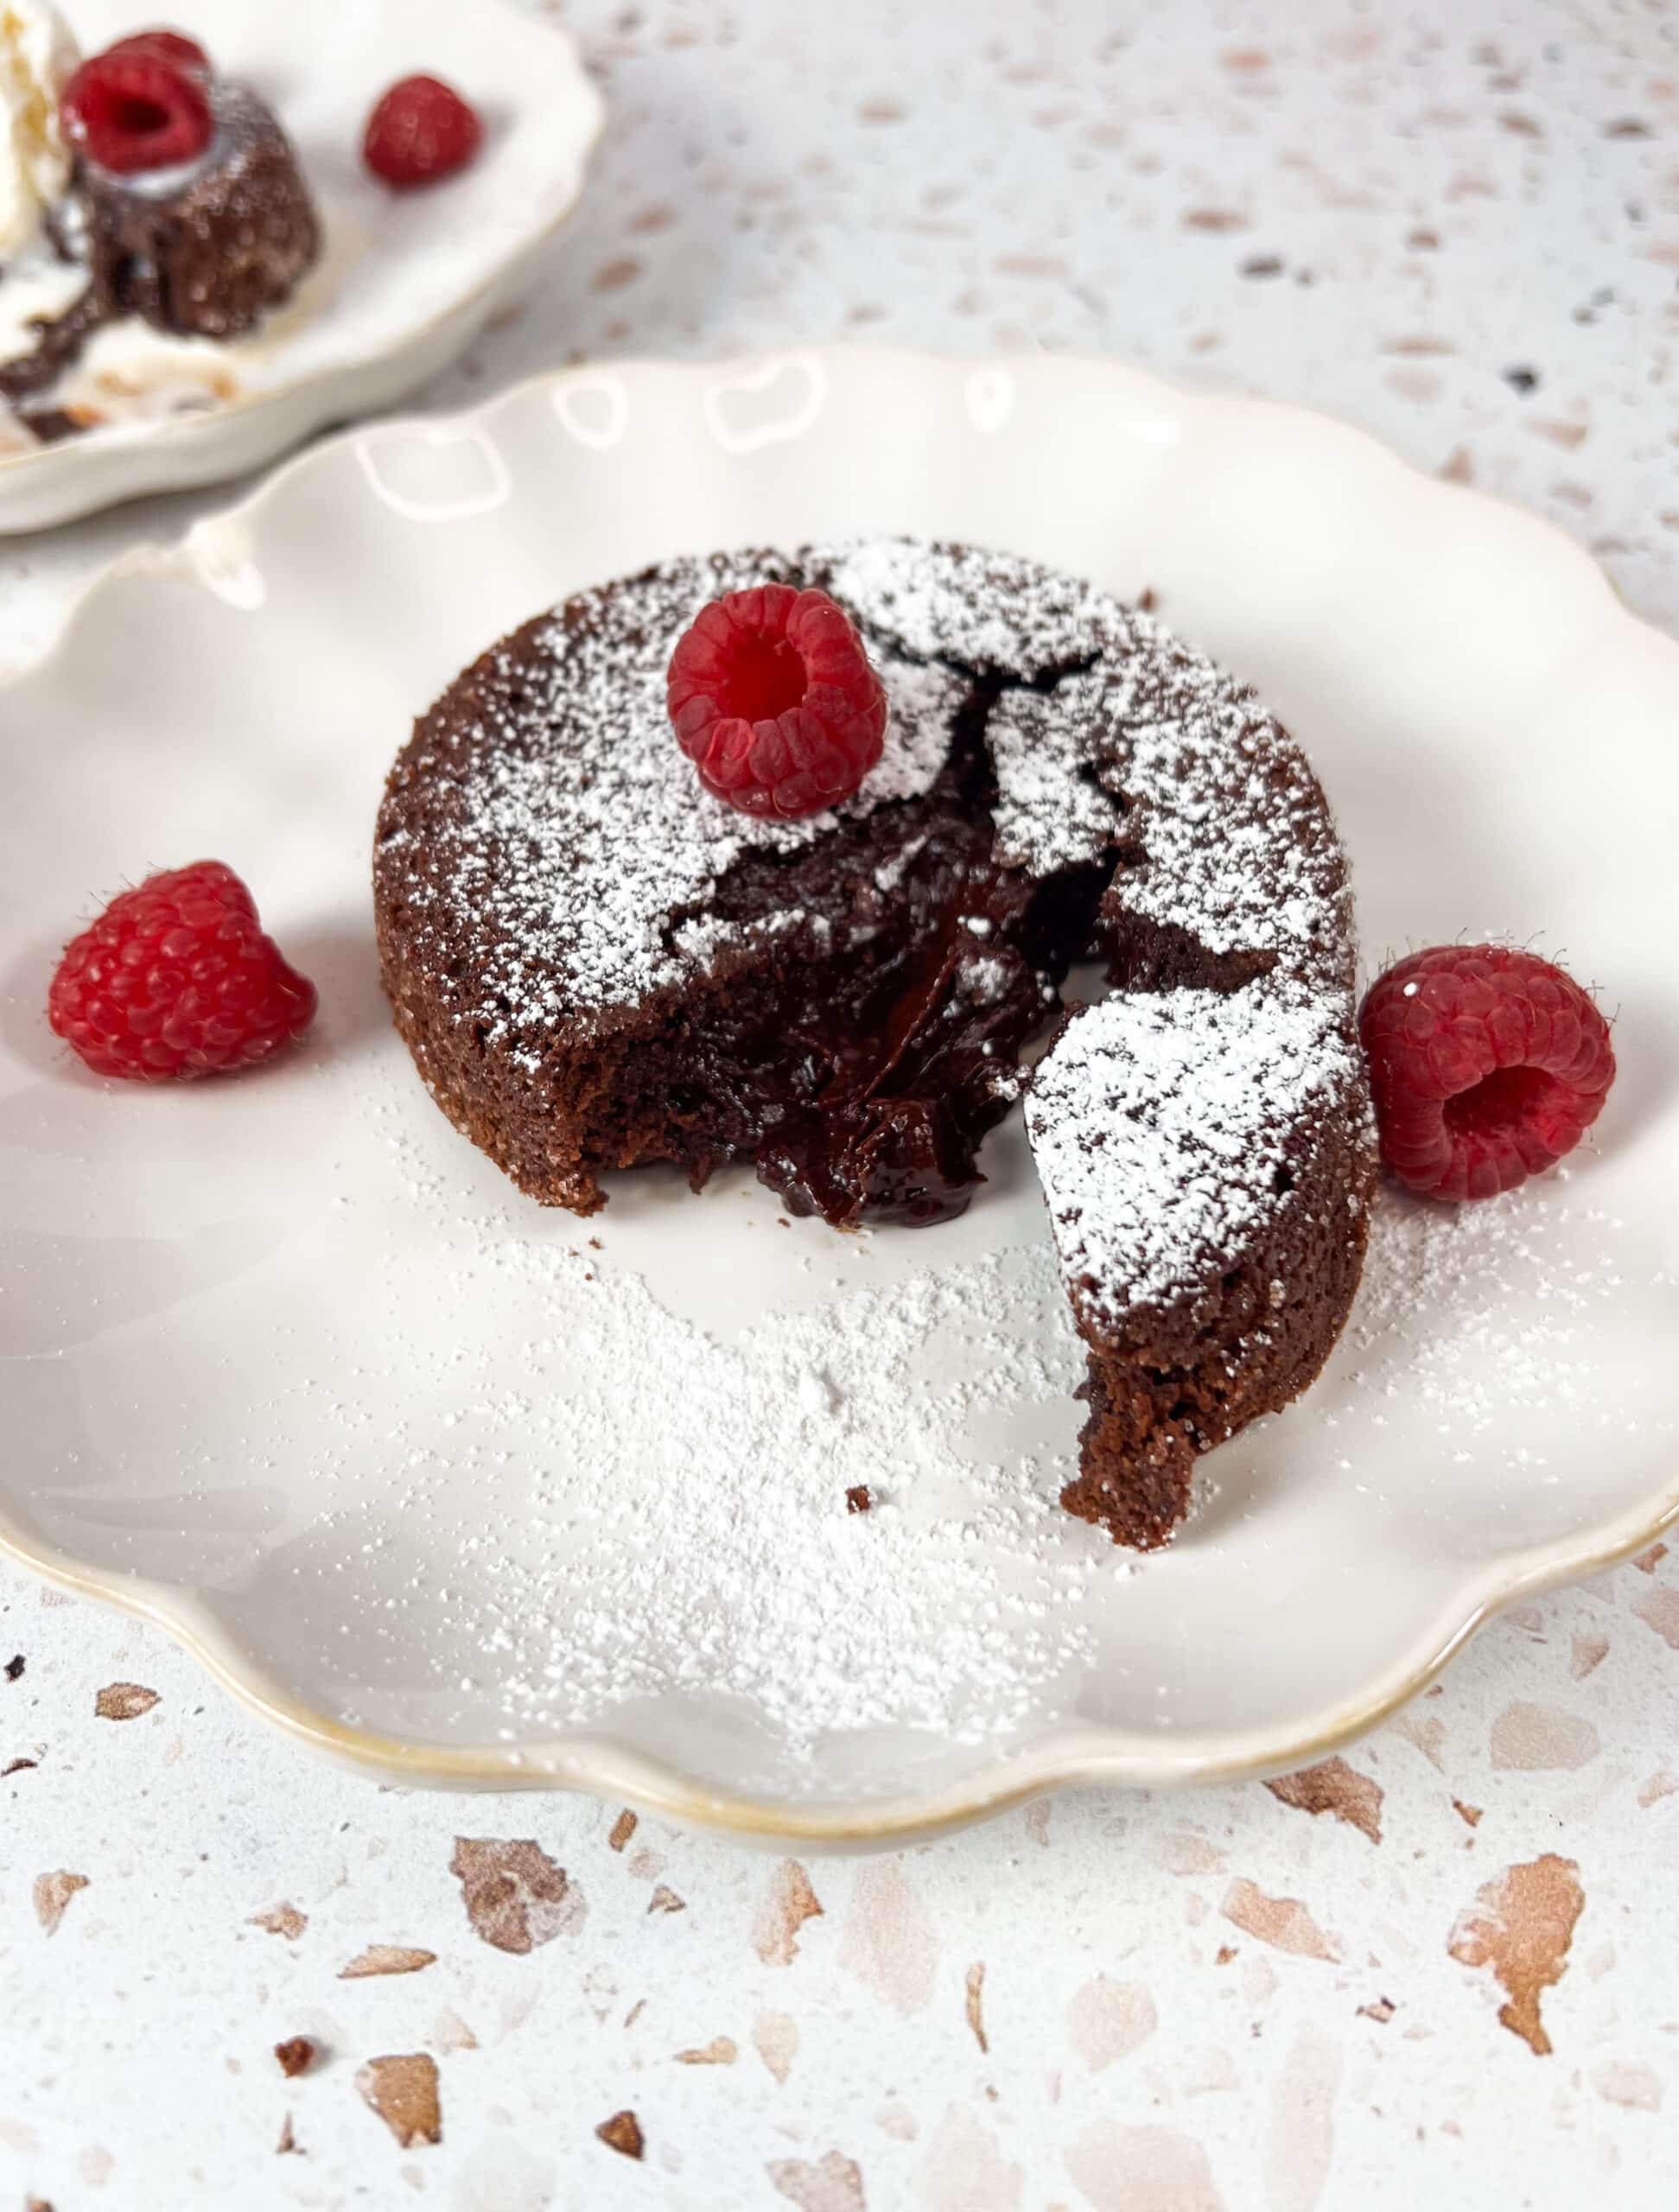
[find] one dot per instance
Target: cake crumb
(859, 1498)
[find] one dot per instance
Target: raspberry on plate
(1487, 1066)
(176, 979)
(419, 130)
(775, 701)
(133, 109)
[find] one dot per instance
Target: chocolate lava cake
(207, 249)
(596, 964)
(202, 249)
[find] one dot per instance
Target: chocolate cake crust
(595, 964)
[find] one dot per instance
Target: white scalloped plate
(286, 1362)
(405, 279)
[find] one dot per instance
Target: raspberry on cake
(597, 962)
(134, 108)
(772, 697)
(1487, 1065)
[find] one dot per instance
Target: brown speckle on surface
(1628, 126)
(1333, 1786)
(14, 1667)
(622, 1829)
(516, 1897)
(1661, 1784)
(1521, 1926)
(974, 1988)
(859, 1498)
(721, 2050)
(1589, 1651)
(1648, 1561)
(832, 2184)
(1108, 2020)
(288, 2142)
(1261, 265)
(888, 1943)
(1635, 2089)
(402, 2091)
(882, 110)
(664, 1900)
(450, 2032)
(1046, 268)
(295, 2056)
(615, 275)
(1284, 1922)
(787, 1904)
(1426, 1732)
(281, 1920)
(1565, 434)
(1185, 1850)
(386, 1958)
(622, 2133)
(1539, 1739)
(1142, 2170)
(1225, 1954)
(1457, 467)
(17, 1766)
(123, 1701)
(52, 1893)
(1213, 219)
(1299, 2141)
(1381, 2011)
(1658, 1609)
(775, 2039)
(1469, 1814)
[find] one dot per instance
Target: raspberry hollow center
(137, 117)
(1508, 1098)
(765, 677)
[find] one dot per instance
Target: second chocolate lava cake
(596, 964)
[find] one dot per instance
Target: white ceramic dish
(405, 279)
(289, 1370)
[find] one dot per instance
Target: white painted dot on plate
(435, 472)
(779, 399)
(594, 411)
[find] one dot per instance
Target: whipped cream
(37, 54)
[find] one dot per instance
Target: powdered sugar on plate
(660, 1524)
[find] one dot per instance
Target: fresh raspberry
(1487, 1065)
(173, 47)
(419, 130)
(136, 110)
(175, 978)
(775, 701)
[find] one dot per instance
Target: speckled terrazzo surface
(1446, 1964)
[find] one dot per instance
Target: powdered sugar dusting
(1159, 1120)
(961, 603)
(584, 829)
(683, 1534)
(585, 841)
